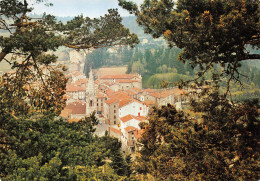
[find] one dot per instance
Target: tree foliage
(35, 144)
(45, 148)
(26, 40)
(209, 32)
(221, 145)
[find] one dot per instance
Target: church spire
(91, 100)
(91, 84)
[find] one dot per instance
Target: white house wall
(133, 109)
(133, 122)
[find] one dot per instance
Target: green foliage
(220, 146)
(44, 148)
(155, 80)
(120, 165)
(164, 84)
(37, 85)
(85, 33)
(208, 31)
(26, 91)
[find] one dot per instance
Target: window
(97, 104)
(114, 106)
(114, 111)
(114, 122)
(140, 108)
(101, 104)
(114, 117)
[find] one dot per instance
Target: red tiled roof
(77, 108)
(101, 95)
(78, 73)
(126, 81)
(137, 90)
(155, 94)
(72, 88)
(97, 81)
(127, 118)
(149, 90)
(131, 92)
(108, 83)
(130, 117)
(124, 102)
(148, 103)
(127, 101)
(102, 86)
(65, 113)
(111, 101)
(168, 93)
(123, 76)
(119, 95)
(130, 128)
(81, 81)
(109, 92)
(179, 92)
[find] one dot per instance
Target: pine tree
(220, 145)
(208, 31)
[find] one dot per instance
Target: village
(118, 100)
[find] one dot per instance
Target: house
(130, 131)
(111, 106)
(77, 92)
(113, 78)
(128, 84)
(130, 138)
(81, 82)
(131, 120)
(77, 75)
(123, 82)
(172, 96)
(75, 110)
(114, 131)
(101, 98)
(133, 107)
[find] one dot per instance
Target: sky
(90, 8)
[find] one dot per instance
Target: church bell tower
(91, 98)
